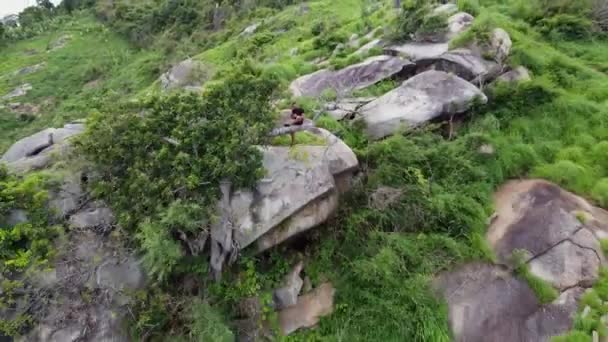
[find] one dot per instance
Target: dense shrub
(172, 156)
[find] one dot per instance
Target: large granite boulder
(428, 96)
(34, 152)
(299, 192)
(354, 77)
(188, 74)
(487, 303)
(465, 63)
(416, 51)
(346, 107)
(558, 233)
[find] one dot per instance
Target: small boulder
(96, 217)
(500, 45)
(519, 74)
(287, 295)
(120, 275)
(424, 97)
(354, 77)
(249, 30)
(459, 23)
(29, 69)
(308, 310)
(19, 91)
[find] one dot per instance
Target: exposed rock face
(309, 308)
(417, 51)
(424, 97)
(462, 62)
(287, 295)
(29, 69)
(347, 107)
(458, 23)
(299, 193)
(188, 74)
(500, 45)
(60, 42)
(487, 303)
(559, 233)
(35, 151)
(96, 217)
(519, 74)
(541, 219)
(357, 76)
(19, 91)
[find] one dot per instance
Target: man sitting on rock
(297, 119)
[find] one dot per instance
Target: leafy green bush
(173, 155)
(600, 192)
(470, 6)
(207, 325)
(416, 17)
(567, 173)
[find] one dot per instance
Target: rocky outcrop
(354, 77)
(287, 295)
(488, 303)
(29, 69)
(299, 192)
(424, 97)
(35, 152)
(308, 310)
(59, 42)
(19, 91)
(416, 51)
(464, 63)
(519, 74)
(188, 74)
(558, 233)
(347, 107)
(459, 23)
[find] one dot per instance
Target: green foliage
(207, 324)
(416, 17)
(600, 192)
(543, 290)
(161, 252)
(470, 6)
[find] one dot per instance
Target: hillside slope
(420, 206)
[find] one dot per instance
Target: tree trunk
(221, 235)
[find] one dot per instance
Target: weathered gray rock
(375, 43)
(120, 275)
(15, 217)
(34, 144)
(19, 91)
(424, 97)
(459, 23)
(308, 310)
(346, 107)
(500, 45)
(462, 62)
(96, 217)
(287, 295)
(416, 51)
(188, 74)
(357, 76)
(35, 152)
(536, 216)
(487, 303)
(249, 30)
(68, 197)
(29, 69)
(59, 43)
(519, 74)
(298, 179)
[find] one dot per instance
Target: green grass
(301, 138)
(93, 54)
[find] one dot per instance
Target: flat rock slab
(424, 97)
(19, 91)
(354, 77)
(308, 310)
(488, 304)
(535, 216)
(417, 51)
